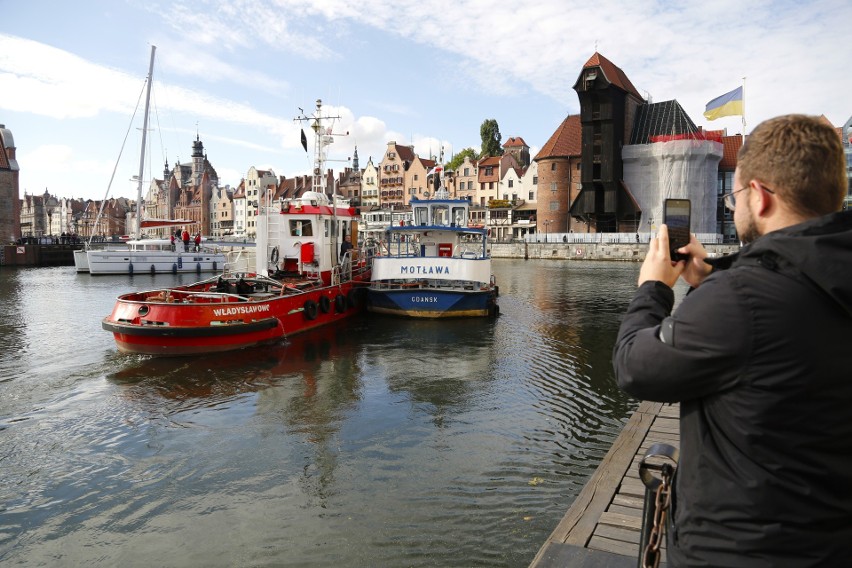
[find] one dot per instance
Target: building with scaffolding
(632, 155)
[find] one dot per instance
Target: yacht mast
(144, 141)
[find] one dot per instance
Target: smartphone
(677, 215)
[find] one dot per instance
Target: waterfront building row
(607, 169)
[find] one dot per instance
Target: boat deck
(602, 526)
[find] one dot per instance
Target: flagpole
(744, 107)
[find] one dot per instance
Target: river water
(382, 442)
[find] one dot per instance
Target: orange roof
(489, 161)
(613, 74)
(515, 141)
(730, 148)
(566, 141)
(405, 153)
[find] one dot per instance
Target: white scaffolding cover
(679, 169)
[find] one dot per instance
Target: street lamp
(546, 223)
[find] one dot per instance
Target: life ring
(310, 309)
(579, 252)
(324, 304)
(340, 303)
(274, 256)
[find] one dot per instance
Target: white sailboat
(149, 255)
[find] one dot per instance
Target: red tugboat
(295, 279)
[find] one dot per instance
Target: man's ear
(764, 203)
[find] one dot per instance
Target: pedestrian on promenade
(756, 355)
(197, 241)
(173, 242)
(185, 239)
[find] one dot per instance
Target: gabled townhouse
(392, 168)
(465, 180)
(239, 201)
(257, 183)
(349, 182)
(370, 186)
(222, 212)
(416, 184)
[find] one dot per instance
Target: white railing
(609, 238)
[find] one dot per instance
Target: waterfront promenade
(602, 526)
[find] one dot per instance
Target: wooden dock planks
(602, 526)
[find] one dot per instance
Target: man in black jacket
(757, 356)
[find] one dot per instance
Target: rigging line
(118, 160)
(159, 131)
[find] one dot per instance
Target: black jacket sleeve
(703, 350)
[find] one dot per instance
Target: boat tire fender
(353, 298)
(274, 256)
(340, 303)
(174, 268)
(153, 270)
(310, 309)
(324, 304)
(130, 269)
(198, 268)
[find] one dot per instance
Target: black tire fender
(310, 309)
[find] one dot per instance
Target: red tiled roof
(515, 142)
(730, 147)
(613, 74)
(427, 164)
(565, 142)
(406, 153)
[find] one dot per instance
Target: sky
(425, 73)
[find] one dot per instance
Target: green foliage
(459, 158)
(490, 133)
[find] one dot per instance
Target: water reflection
(377, 442)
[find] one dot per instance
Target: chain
(651, 556)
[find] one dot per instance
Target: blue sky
(422, 72)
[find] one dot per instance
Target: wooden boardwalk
(601, 528)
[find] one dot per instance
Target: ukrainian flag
(729, 104)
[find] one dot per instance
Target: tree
(459, 158)
(490, 133)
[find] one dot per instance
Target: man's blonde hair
(801, 159)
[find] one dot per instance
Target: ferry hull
(193, 322)
(432, 303)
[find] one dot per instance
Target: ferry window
(441, 215)
(420, 216)
(301, 229)
(458, 215)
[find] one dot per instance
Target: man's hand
(658, 263)
(696, 269)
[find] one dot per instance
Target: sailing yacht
(141, 254)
